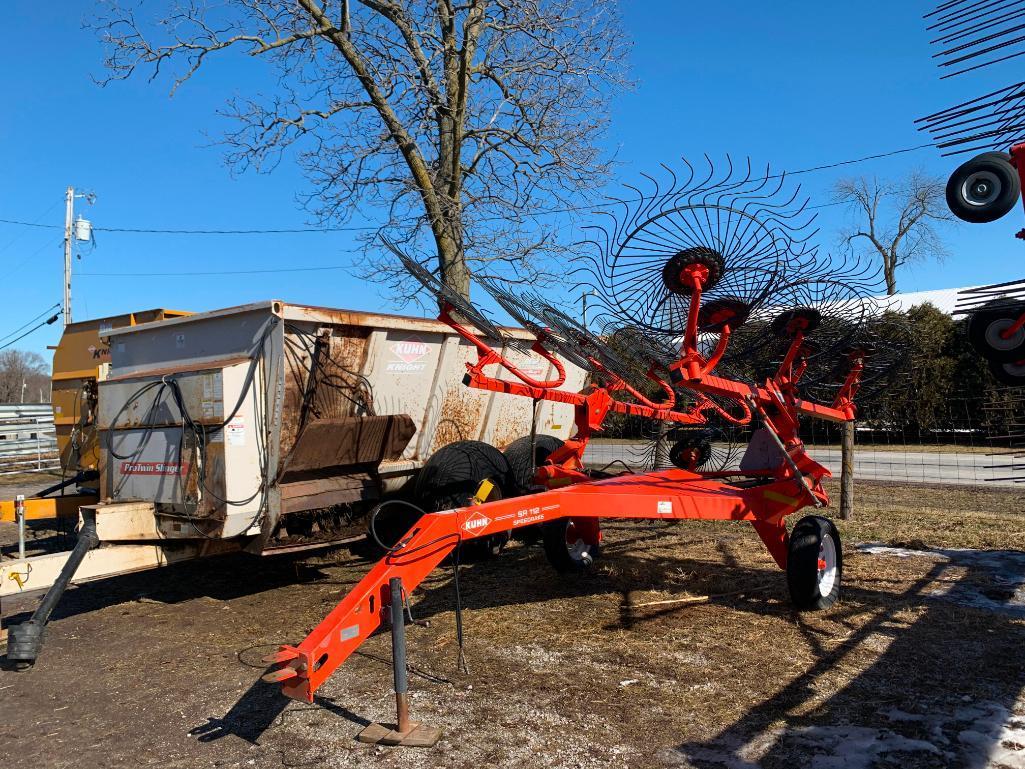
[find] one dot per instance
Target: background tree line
(24, 377)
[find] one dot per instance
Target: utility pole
(69, 214)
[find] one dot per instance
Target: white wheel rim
(827, 565)
(980, 189)
(995, 339)
(579, 551)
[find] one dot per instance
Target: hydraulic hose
(26, 640)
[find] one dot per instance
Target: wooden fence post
(847, 471)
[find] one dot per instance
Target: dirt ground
(920, 665)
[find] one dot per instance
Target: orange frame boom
(667, 495)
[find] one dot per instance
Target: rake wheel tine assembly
(970, 36)
(747, 221)
(458, 306)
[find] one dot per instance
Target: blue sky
(796, 84)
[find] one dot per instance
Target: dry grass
(918, 515)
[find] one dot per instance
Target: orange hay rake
(776, 478)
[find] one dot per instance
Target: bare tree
(455, 120)
(23, 373)
(898, 221)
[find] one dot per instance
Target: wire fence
(28, 441)
(970, 439)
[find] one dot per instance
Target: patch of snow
(982, 735)
(855, 747)
(995, 581)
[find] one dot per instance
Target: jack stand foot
(406, 733)
(417, 736)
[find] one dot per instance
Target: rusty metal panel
(317, 493)
(327, 443)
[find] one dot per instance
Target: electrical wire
(47, 322)
(51, 308)
(400, 548)
(38, 219)
(212, 272)
(315, 230)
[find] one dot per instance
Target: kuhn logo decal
(154, 468)
(408, 353)
(476, 522)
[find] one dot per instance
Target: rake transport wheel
(571, 546)
(988, 327)
(984, 189)
(453, 475)
(814, 564)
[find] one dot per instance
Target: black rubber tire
(554, 539)
(984, 189)
(985, 325)
(1008, 372)
(522, 465)
(807, 582)
(452, 476)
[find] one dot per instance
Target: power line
(316, 230)
(33, 320)
(212, 272)
(34, 254)
(31, 224)
(280, 231)
(49, 321)
(880, 156)
(38, 219)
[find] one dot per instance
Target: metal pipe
(398, 655)
(19, 516)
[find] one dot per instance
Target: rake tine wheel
(743, 229)
(706, 449)
(827, 311)
(523, 310)
(462, 310)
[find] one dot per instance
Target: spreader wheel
(984, 189)
(991, 332)
(523, 464)
(814, 564)
(571, 546)
(707, 263)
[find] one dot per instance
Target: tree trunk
(847, 471)
(890, 274)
